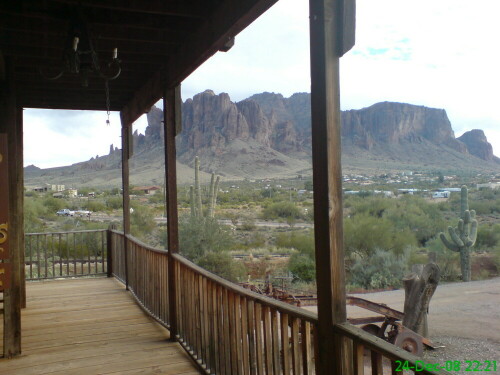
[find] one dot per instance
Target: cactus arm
(472, 214)
(447, 243)
(210, 212)
(191, 200)
(455, 237)
(473, 234)
(197, 189)
(464, 201)
(460, 226)
(214, 195)
(467, 217)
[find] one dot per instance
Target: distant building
(49, 187)
(148, 190)
(489, 185)
(72, 193)
(441, 194)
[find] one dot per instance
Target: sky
(436, 53)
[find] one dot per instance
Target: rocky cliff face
(398, 122)
(269, 136)
(213, 123)
(478, 145)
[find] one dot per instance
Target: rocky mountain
(478, 145)
(268, 135)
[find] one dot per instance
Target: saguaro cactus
(195, 193)
(463, 237)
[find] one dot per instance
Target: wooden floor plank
(91, 326)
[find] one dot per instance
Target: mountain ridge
(268, 135)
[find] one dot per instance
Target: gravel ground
(464, 318)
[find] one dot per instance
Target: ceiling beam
(225, 23)
(189, 9)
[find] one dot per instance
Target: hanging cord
(106, 86)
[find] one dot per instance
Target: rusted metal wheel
(371, 328)
(410, 341)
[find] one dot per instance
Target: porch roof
(159, 43)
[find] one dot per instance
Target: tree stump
(419, 286)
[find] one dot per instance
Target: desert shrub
(53, 205)
(199, 236)
(363, 234)
(447, 260)
(95, 206)
(114, 203)
(488, 236)
(222, 264)
(142, 221)
(303, 267)
(304, 243)
(382, 270)
(248, 224)
(33, 210)
(281, 210)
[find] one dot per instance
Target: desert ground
(464, 320)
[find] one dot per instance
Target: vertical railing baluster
(251, 337)
(376, 360)
(276, 342)
(295, 346)
(259, 339)
(359, 358)
(75, 254)
(268, 344)
(306, 348)
(88, 254)
(31, 255)
(67, 253)
(60, 255)
(285, 342)
(244, 335)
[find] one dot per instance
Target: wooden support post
(171, 119)
(12, 231)
(126, 130)
(20, 200)
(109, 250)
(326, 23)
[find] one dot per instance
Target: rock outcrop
(478, 145)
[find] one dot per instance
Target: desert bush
(199, 236)
(382, 270)
(222, 264)
(302, 242)
(282, 210)
(488, 236)
(448, 261)
(364, 234)
(114, 203)
(303, 267)
(142, 221)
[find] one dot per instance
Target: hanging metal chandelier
(80, 57)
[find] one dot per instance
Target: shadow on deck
(91, 326)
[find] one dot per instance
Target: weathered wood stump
(419, 288)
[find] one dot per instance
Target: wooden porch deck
(91, 326)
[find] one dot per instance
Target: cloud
(440, 54)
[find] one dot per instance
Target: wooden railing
(65, 254)
(230, 330)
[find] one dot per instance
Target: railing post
(126, 154)
(171, 122)
(331, 35)
(109, 250)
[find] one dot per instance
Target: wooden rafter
(213, 35)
